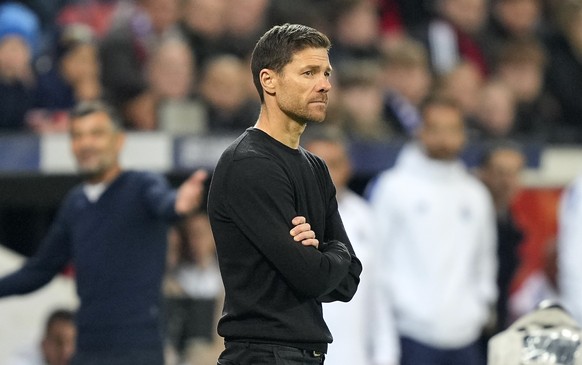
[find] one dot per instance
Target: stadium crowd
(182, 66)
(510, 70)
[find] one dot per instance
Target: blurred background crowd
(182, 67)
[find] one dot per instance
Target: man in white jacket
(437, 244)
(362, 335)
(570, 248)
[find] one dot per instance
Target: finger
(311, 242)
(199, 176)
(304, 236)
(298, 220)
(301, 228)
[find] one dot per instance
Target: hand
(190, 193)
(302, 232)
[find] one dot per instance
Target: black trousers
(244, 353)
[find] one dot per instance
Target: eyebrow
(317, 67)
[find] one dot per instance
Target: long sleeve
(570, 249)
(335, 229)
(160, 197)
(263, 207)
(53, 254)
(384, 342)
(487, 259)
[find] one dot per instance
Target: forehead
(309, 56)
(440, 113)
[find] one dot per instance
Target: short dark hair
(59, 315)
(276, 48)
(85, 108)
(324, 133)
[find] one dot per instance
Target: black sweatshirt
(274, 285)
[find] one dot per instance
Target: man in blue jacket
(113, 228)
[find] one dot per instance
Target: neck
(282, 128)
(105, 177)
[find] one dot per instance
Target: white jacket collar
(414, 160)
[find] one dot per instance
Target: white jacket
(437, 245)
(353, 326)
(570, 248)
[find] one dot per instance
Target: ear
(120, 141)
(268, 80)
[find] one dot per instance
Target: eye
(308, 73)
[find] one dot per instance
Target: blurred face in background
(442, 133)
(163, 13)
(245, 22)
(519, 17)
(463, 84)
(206, 17)
(58, 345)
(524, 78)
(81, 63)
(336, 158)
(359, 26)
(502, 175)
(496, 111)
(14, 58)
(96, 144)
(171, 70)
(224, 83)
(468, 15)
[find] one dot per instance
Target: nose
(324, 85)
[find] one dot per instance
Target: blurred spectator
(57, 345)
(19, 32)
(172, 76)
(97, 14)
(407, 80)
(192, 289)
(356, 33)
(351, 324)
(167, 103)
(513, 20)
(463, 84)
(564, 72)
(113, 227)
(223, 88)
(360, 110)
(495, 114)
(136, 30)
(203, 24)
(73, 77)
(313, 13)
(243, 28)
(436, 243)
(517, 19)
(570, 248)
(455, 34)
(500, 170)
(399, 16)
(521, 64)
